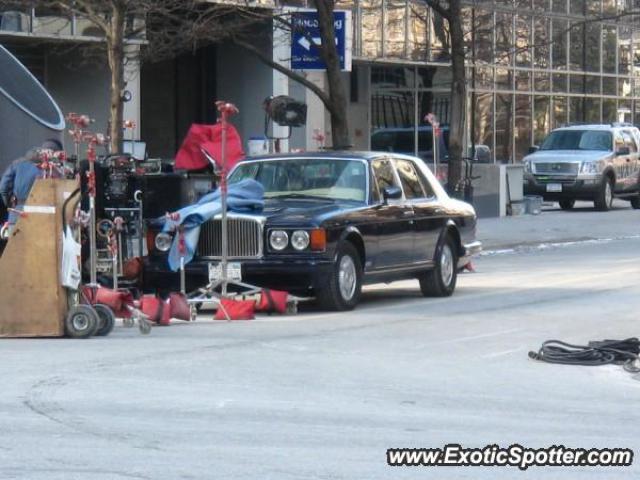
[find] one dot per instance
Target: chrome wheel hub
(347, 278)
(80, 322)
(446, 265)
(608, 196)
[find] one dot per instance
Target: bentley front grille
(244, 238)
(557, 168)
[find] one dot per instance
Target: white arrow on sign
(304, 43)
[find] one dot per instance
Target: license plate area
(554, 187)
(234, 271)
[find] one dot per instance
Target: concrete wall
(243, 80)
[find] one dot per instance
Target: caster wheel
(82, 321)
(292, 307)
(107, 320)
(128, 322)
(144, 326)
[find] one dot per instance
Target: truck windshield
(578, 140)
(332, 179)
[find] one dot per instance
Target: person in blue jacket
(20, 176)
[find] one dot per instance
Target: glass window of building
(609, 85)
(609, 8)
(559, 83)
(394, 28)
(371, 19)
(483, 120)
(560, 112)
(609, 110)
(541, 42)
(504, 79)
(541, 118)
(523, 45)
(576, 43)
(504, 38)
(504, 127)
(439, 38)
(559, 6)
(542, 81)
(559, 46)
(624, 50)
(522, 130)
(591, 110)
(592, 34)
(483, 33)
(609, 48)
(577, 7)
(594, 7)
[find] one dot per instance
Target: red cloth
(209, 137)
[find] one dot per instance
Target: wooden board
(32, 301)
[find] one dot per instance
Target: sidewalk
(554, 225)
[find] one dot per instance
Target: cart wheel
(292, 307)
(107, 320)
(128, 322)
(144, 325)
(81, 322)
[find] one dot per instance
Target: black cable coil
(619, 352)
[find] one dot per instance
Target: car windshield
(578, 140)
(322, 178)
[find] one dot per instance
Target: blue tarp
(245, 196)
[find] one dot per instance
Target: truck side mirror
(533, 149)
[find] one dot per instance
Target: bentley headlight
(300, 239)
(163, 242)
(278, 239)
(589, 167)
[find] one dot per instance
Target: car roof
(345, 155)
(598, 126)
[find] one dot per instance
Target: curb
(549, 244)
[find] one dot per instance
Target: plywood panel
(32, 302)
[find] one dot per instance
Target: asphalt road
(322, 396)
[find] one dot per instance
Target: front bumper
(470, 249)
(293, 274)
(581, 187)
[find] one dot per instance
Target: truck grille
(244, 234)
(560, 167)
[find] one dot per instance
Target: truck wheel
(344, 287)
(567, 204)
(107, 320)
(604, 198)
(81, 322)
(635, 202)
(441, 280)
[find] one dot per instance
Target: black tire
(567, 204)
(344, 288)
(604, 198)
(635, 202)
(81, 322)
(107, 320)
(441, 280)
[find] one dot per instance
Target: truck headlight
(278, 239)
(300, 239)
(163, 242)
(589, 167)
(527, 166)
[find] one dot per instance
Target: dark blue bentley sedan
(335, 221)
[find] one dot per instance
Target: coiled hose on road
(605, 352)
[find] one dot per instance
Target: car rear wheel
(567, 204)
(441, 280)
(635, 202)
(604, 198)
(344, 287)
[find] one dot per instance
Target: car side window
(630, 142)
(384, 175)
(409, 179)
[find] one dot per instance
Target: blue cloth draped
(246, 196)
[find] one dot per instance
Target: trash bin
(517, 209)
(533, 204)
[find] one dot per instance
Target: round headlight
(163, 242)
(278, 240)
(300, 239)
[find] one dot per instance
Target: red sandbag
(209, 137)
(156, 309)
(116, 300)
(235, 310)
(272, 301)
(179, 307)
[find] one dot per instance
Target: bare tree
(335, 100)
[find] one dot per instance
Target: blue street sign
(306, 36)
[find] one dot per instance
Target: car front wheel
(441, 280)
(635, 202)
(343, 290)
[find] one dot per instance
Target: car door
(394, 220)
(620, 162)
(428, 214)
(631, 164)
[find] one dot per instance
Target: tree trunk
(338, 104)
(115, 53)
(458, 98)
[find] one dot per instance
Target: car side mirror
(533, 149)
(623, 151)
(391, 193)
